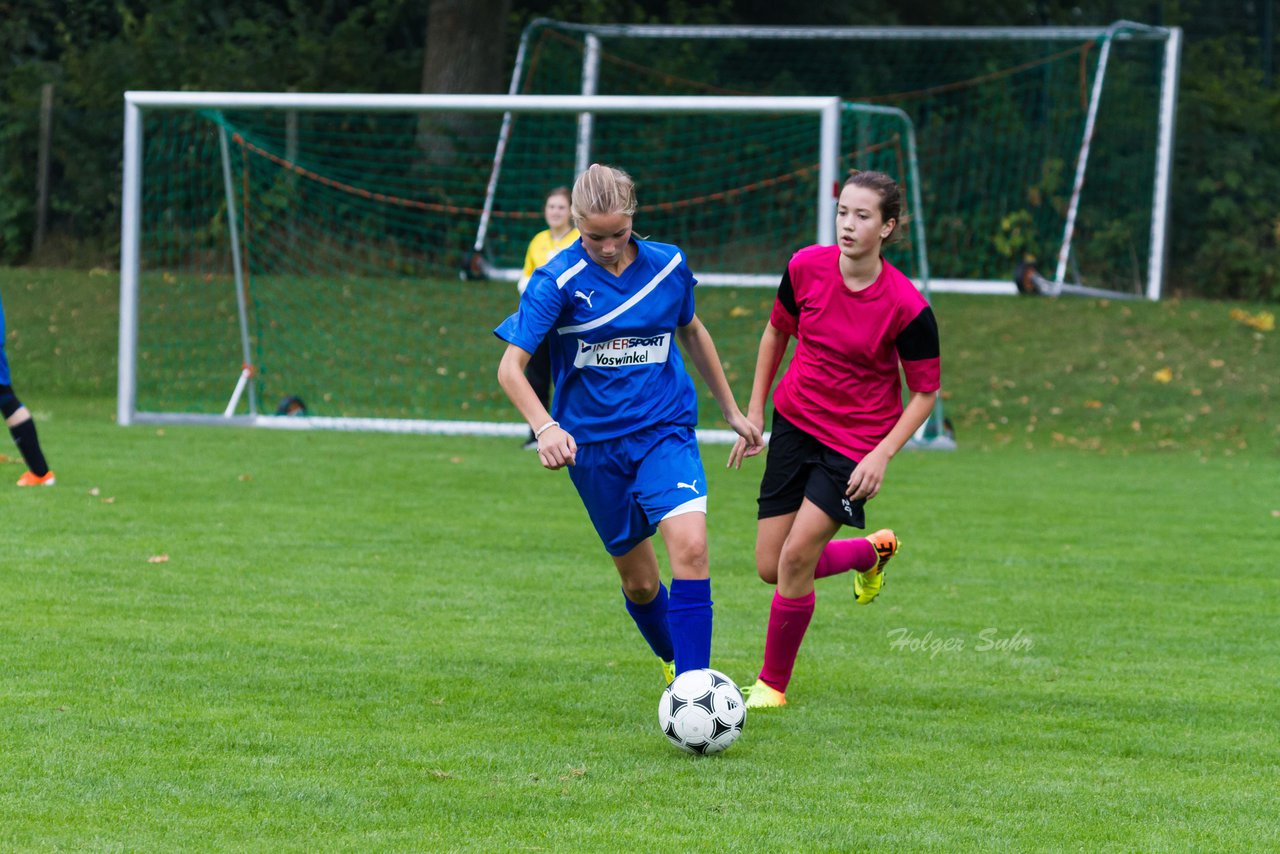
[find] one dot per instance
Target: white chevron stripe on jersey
(639, 295)
(570, 273)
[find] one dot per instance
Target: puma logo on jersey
(585, 297)
(693, 486)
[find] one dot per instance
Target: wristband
(544, 428)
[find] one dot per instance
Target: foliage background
(1225, 217)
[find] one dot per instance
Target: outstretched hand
(750, 439)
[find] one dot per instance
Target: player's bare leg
(771, 533)
(811, 530)
(638, 570)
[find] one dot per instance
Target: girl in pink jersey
(838, 414)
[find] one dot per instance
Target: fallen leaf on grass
(1093, 404)
(1263, 321)
(739, 311)
(94, 492)
(1164, 375)
(158, 559)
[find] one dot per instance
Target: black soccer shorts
(797, 467)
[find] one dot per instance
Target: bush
(1226, 222)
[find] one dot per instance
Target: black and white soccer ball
(702, 711)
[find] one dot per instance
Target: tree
(465, 47)
(464, 55)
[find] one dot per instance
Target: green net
(351, 228)
(999, 118)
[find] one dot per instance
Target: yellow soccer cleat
(669, 671)
(867, 584)
(33, 479)
(762, 696)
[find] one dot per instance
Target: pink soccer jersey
(842, 386)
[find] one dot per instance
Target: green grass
(377, 642)
(1023, 373)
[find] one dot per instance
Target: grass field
(220, 639)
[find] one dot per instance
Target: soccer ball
(702, 711)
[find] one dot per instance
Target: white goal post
(236, 368)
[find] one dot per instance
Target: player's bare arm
(696, 341)
(868, 476)
(556, 448)
(773, 346)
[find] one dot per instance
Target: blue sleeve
(687, 279)
(539, 309)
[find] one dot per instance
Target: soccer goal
(299, 253)
(1045, 152)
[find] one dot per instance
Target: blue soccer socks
(690, 617)
(651, 620)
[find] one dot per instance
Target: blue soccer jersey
(617, 369)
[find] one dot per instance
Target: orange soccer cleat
(867, 584)
(33, 479)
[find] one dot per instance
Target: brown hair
(602, 190)
(558, 191)
(890, 196)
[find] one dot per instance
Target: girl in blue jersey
(625, 409)
(21, 426)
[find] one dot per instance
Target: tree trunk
(464, 55)
(465, 47)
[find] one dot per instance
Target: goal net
(306, 246)
(1040, 144)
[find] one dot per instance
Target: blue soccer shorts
(632, 483)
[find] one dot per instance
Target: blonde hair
(602, 190)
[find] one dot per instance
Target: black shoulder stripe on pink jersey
(920, 338)
(787, 294)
